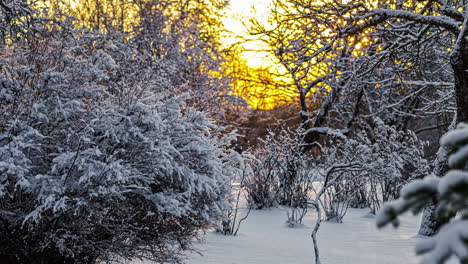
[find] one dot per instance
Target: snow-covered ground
(265, 239)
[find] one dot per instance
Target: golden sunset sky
(254, 51)
(240, 11)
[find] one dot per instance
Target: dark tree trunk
(460, 71)
(430, 224)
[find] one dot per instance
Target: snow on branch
(450, 11)
(339, 133)
(461, 38)
(414, 196)
(378, 16)
(450, 240)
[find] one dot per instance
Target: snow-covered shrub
(301, 189)
(391, 159)
(262, 186)
(335, 204)
(385, 160)
(388, 159)
(281, 176)
(293, 167)
(280, 173)
(338, 165)
(89, 174)
(297, 191)
(450, 190)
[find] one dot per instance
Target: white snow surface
(265, 239)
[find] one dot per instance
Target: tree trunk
(459, 63)
(430, 224)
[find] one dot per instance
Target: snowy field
(265, 239)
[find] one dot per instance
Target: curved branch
(378, 16)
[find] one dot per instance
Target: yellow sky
(254, 51)
(241, 11)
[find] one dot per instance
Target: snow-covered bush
(281, 176)
(262, 186)
(297, 190)
(391, 159)
(339, 164)
(293, 167)
(280, 173)
(92, 174)
(450, 190)
(349, 162)
(300, 189)
(385, 160)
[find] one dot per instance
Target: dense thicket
(105, 153)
